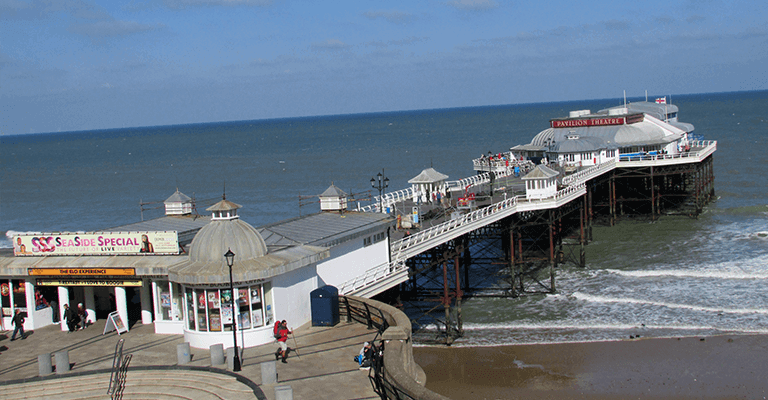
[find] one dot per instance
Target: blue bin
(325, 306)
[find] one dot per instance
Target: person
(146, 246)
(70, 316)
(366, 356)
(55, 311)
(283, 333)
(18, 325)
(82, 315)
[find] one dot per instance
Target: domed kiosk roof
(206, 263)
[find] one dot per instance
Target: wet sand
(722, 367)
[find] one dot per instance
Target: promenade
(321, 368)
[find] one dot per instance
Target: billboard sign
(96, 243)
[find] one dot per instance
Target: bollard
(217, 354)
(183, 355)
(284, 392)
(44, 366)
(62, 362)
(231, 358)
(268, 373)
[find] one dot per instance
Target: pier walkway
(323, 367)
(504, 203)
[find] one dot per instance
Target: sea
(675, 276)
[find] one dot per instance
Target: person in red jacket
(283, 333)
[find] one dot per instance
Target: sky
(70, 65)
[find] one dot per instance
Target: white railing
(371, 276)
(708, 147)
(589, 173)
(388, 199)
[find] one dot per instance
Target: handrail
(116, 363)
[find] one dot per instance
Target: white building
(188, 291)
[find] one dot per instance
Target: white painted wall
(351, 259)
(290, 295)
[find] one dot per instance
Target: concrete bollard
(62, 362)
(217, 354)
(231, 358)
(268, 373)
(44, 365)
(183, 355)
(284, 392)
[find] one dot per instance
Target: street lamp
(230, 256)
(377, 183)
(490, 174)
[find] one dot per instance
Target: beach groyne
(397, 375)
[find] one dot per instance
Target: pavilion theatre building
(171, 271)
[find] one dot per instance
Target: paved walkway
(321, 368)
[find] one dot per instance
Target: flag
(662, 100)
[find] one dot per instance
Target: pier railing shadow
(394, 374)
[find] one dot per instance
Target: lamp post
(377, 183)
(490, 174)
(230, 256)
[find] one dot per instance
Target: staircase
(165, 383)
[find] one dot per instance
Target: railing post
(368, 316)
(349, 310)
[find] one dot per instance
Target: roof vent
(178, 204)
(578, 113)
(333, 199)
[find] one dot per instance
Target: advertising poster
(226, 315)
(96, 243)
(242, 298)
(255, 297)
(213, 299)
(257, 321)
(245, 320)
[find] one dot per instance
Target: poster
(201, 301)
(257, 321)
(242, 298)
(213, 299)
(255, 297)
(226, 315)
(215, 320)
(202, 322)
(226, 297)
(165, 299)
(96, 243)
(245, 320)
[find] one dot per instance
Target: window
(210, 310)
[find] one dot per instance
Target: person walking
(283, 333)
(18, 323)
(82, 314)
(70, 316)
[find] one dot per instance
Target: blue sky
(80, 64)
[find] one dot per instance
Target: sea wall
(400, 373)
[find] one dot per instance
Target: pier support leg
(447, 305)
(459, 322)
(551, 254)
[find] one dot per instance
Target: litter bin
(325, 306)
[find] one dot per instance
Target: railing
(372, 276)
(589, 173)
(119, 372)
(708, 147)
(387, 200)
(393, 374)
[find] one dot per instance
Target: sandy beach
(722, 367)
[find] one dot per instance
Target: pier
(523, 237)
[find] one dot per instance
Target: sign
(96, 243)
(577, 123)
(89, 282)
(115, 323)
(81, 271)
